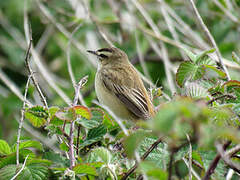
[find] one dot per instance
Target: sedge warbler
(119, 86)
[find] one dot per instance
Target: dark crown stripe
(105, 49)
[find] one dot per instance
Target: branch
(220, 97)
(145, 155)
(226, 159)
(208, 34)
(30, 71)
(214, 163)
(22, 119)
(23, 166)
(81, 83)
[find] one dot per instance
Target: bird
(119, 86)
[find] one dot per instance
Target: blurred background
(151, 32)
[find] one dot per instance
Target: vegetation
(52, 127)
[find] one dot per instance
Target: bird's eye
(103, 56)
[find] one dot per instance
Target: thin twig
(70, 71)
(192, 170)
(227, 12)
(81, 83)
(226, 159)
(71, 146)
(214, 163)
(22, 168)
(21, 120)
(208, 34)
(30, 71)
(170, 165)
(78, 138)
(190, 157)
(145, 155)
(220, 97)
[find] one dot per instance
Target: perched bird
(119, 86)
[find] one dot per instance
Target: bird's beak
(93, 52)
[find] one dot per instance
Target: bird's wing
(127, 90)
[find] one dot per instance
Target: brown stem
(78, 136)
(220, 97)
(214, 163)
(145, 155)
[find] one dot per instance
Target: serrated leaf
(52, 110)
(65, 114)
(99, 131)
(10, 159)
(39, 161)
(83, 111)
(100, 154)
(190, 54)
(7, 172)
(203, 54)
(28, 144)
(85, 168)
(37, 115)
(133, 141)
(89, 124)
(188, 71)
(4, 148)
(97, 114)
(195, 90)
(219, 72)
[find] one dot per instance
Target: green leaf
(219, 72)
(85, 168)
(83, 111)
(52, 110)
(39, 161)
(188, 71)
(152, 171)
(4, 148)
(28, 144)
(203, 54)
(100, 154)
(192, 56)
(7, 172)
(9, 159)
(63, 147)
(66, 114)
(133, 141)
(89, 124)
(37, 115)
(99, 131)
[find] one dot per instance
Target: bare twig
(190, 157)
(23, 166)
(170, 165)
(22, 119)
(70, 71)
(220, 97)
(12, 86)
(81, 83)
(30, 71)
(145, 155)
(227, 12)
(208, 34)
(71, 146)
(214, 163)
(192, 170)
(226, 159)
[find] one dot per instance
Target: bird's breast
(110, 100)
